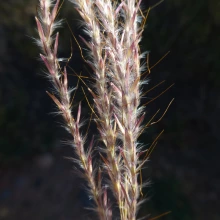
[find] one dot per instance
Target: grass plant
(114, 29)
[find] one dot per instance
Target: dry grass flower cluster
(114, 29)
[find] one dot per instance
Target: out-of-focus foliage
(168, 198)
(25, 126)
(20, 98)
(190, 31)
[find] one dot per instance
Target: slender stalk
(130, 99)
(103, 92)
(124, 62)
(46, 25)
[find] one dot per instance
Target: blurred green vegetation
(167, 196)
(22, 118)
(190, 31)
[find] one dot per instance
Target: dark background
(37, 182)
